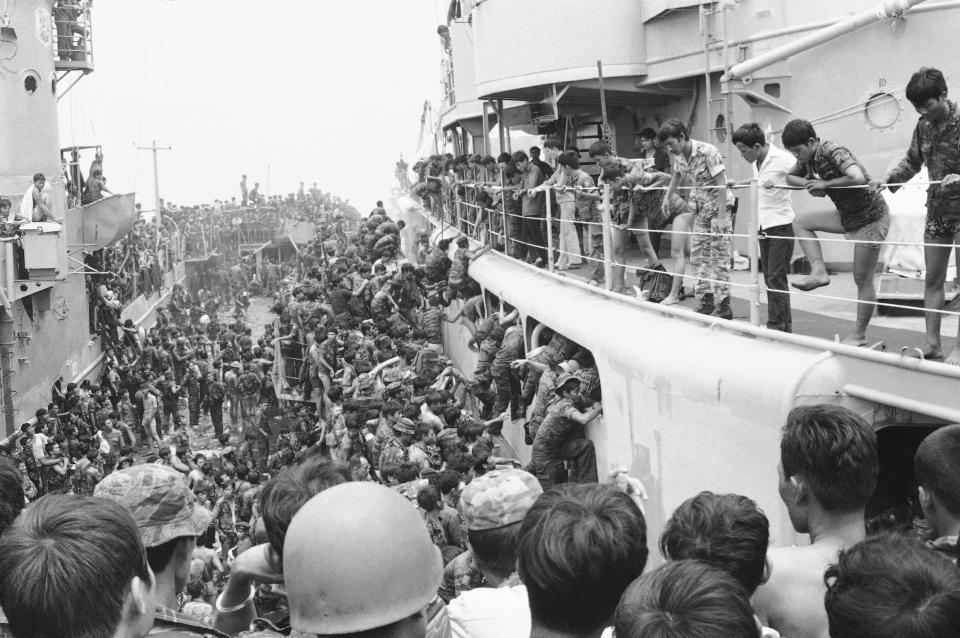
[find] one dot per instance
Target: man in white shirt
(775, 216)
(39, 441)
(493, 507)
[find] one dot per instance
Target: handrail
(749, 329)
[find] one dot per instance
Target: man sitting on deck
(36, 202)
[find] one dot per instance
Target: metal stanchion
(457, 209)
(550, 262)
(752, 230)
(607, 239)
(503, 208)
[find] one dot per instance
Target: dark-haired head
(673, 129)
(750, 135)
(798, 133)
(579, 548)
(599, 149)
(685, 599)
(284, 495)
(828, 453)
(11, 493)
(936, 468)
(891, 586)
(648, 134)
(925, 85)
(569, 159)
(727, 531)
(74, 567)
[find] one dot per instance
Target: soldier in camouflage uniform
(936, 144)
(395, 448)
(701, 165)
(166, 513)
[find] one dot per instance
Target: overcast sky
(323, 91)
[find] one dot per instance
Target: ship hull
(691, 403)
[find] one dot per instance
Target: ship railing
(609, 268)
(73, 28)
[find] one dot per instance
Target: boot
(722, 309)
(705, 306)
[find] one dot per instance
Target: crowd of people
(331, 473)
(680, 185)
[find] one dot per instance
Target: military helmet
(357, 557)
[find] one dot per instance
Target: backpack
(657, 281)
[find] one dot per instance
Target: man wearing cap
(561, 437)
(169, 520)
(493, 507)
(395, 448)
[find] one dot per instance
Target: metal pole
(156, 185)
(500, 126)
(550, 264)
(156, 180)
(503, 206)
(607, 240)
(607, 133)
(486, 129)
(6, 356)
(752, 231)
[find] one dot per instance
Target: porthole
(882, 111)
(720, 128)
(31, 81)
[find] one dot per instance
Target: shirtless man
(41, 200)
(828, 471)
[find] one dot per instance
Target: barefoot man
(936, 143)
(827, 169)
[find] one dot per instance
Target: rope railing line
(754, 287)
(739, 186)
(734, 284)
(764, 288)
(844, 240)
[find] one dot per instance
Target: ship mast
(156, 178)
